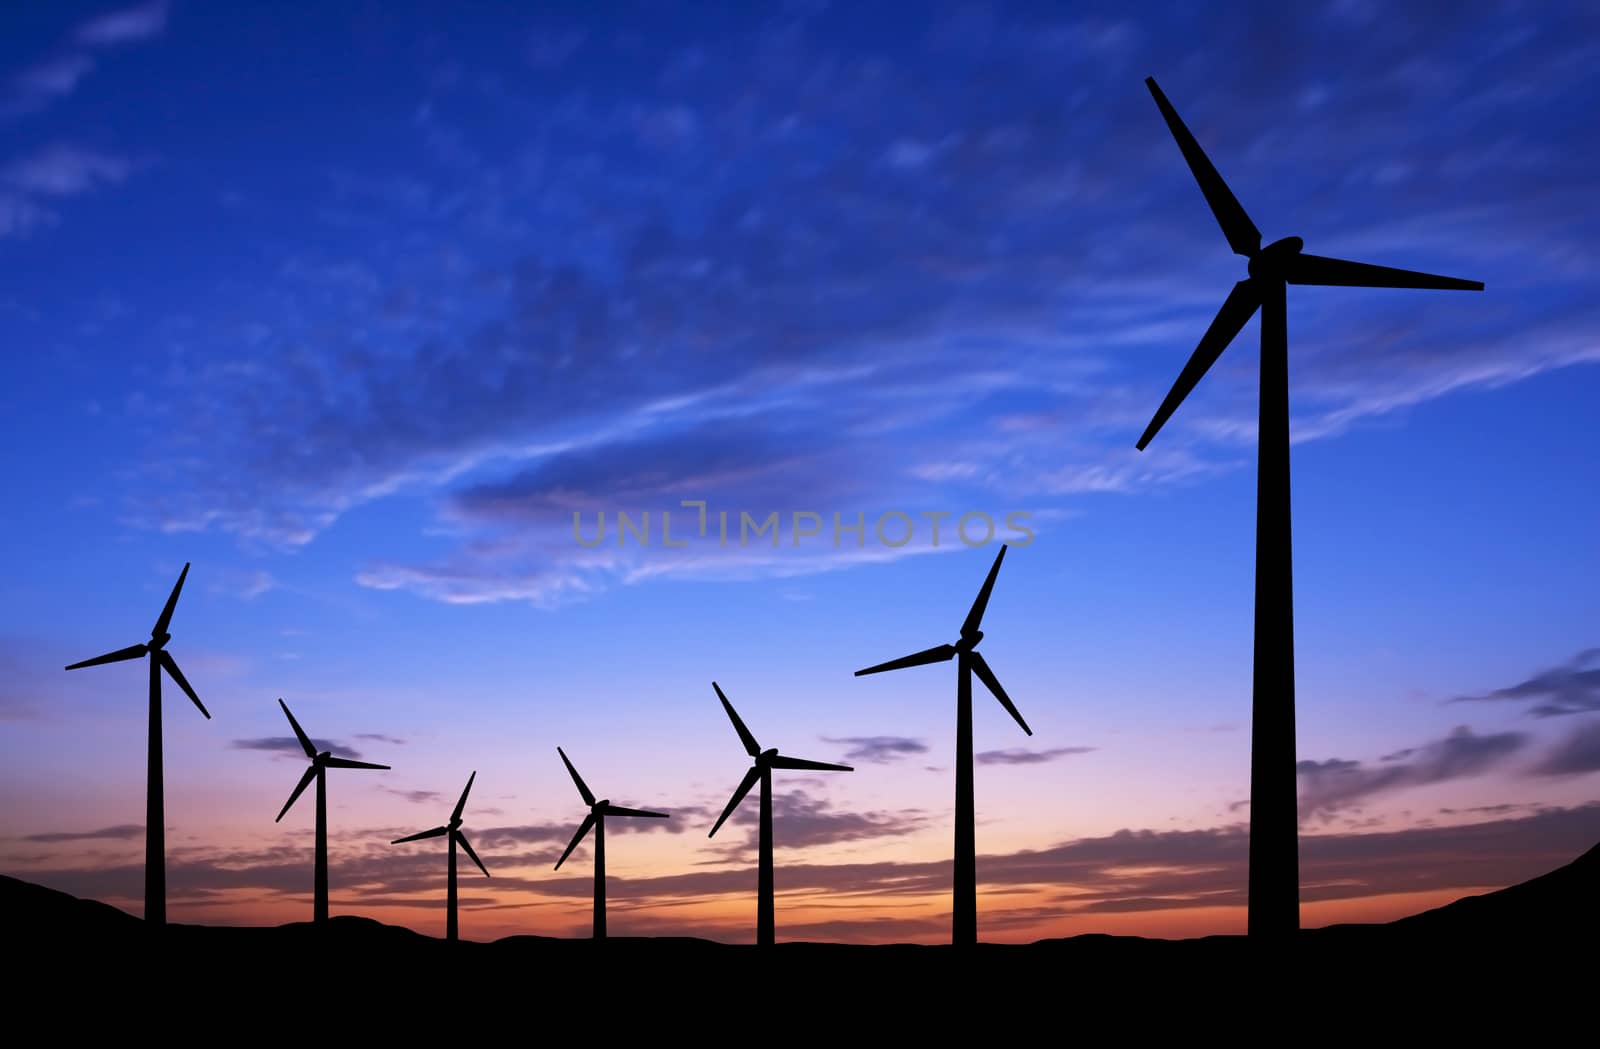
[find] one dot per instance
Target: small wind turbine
(761, 769)
(321, 762)
(453, 831)
(155, 860)
(964, 887)
(598, 811)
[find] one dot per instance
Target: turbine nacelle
(600, 806)
(969, 640)
(764, 759)
(1273, 260)
(157, 642)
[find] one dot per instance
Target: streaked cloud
(879, 750)
(1334, 784)
(1572, 687)
(1024, 756)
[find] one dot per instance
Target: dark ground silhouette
(1429, 964)
(1274, 828)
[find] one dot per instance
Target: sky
(374, 312)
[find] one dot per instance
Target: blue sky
(353, 306)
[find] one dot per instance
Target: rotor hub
(1271, 260)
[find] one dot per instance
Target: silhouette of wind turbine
(453, 831)
(964, 882)
(598, 811)
(761, 769)
(1274, 892)
(155, 844)
(321, 762)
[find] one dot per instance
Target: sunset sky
(354, 305)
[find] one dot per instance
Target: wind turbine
(761, 769)
(1274, 899)
(155, 842)
(964, 882)
(453, 831)
(598, 811)
(321, 762)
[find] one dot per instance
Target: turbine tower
(964, 881)
(453, 831)
(155, 843)
(598, 811)
(321, 762)
(761, 769)
(1274, 895)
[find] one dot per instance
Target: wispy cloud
(1578, 753)
(1570, 688)
(416, 797)
(63, 170)
(878, 750)
(1023, 756)
(124, 26)
(288, 746)
(121, 832)
(59, 75)
(1334, 784)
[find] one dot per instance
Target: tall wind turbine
(452, 830)
(598, 811)
(155, 841)
(1274, 828)
(761, 769)
(321, 762)
(964, 882)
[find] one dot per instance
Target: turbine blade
(463, 802)
(749, 781)
(1243, 237)
(583, 788)
(1315, 269)
(751, 747)
(131, 652)
(346, 763)
(461, 839)
(183, 682)
(981, 668)
(930, 655)
(437, 832)
(618, 810)
(299, 733)
(172, 603)
(583, 828)
(780, 761)
(299, 789)
(981, 602)
(1237, 308)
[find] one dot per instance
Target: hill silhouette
(59, 933)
